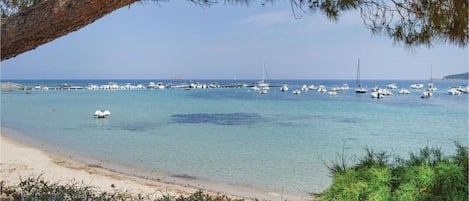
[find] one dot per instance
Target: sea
(277, 142)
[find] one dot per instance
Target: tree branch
(49, 20)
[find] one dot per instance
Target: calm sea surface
(276, 141)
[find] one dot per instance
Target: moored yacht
(284, 88)
(359, 89)
(404, 91)
(454, 92)
(392, 86)
(416, 86)
(102, 113)
(426, 94)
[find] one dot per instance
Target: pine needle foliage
(425, 175)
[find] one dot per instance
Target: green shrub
(37, 189)
(426, 175)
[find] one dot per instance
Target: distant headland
(461, 76)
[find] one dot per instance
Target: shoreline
(22, 159)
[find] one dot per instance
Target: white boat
(304, 88)
(297, 92)
(255, 88)
(385, 92)
(359, 89)
(465, 89)
(284, 88)
(312, 87)
(431, 86)
(151, 85)
(332, 93)
(102, 113)
(392, 86)
(322, 89)
(404, 91)
(416, 86)
(454, 92)
(345, 87)
(426, 94)
(159, 85)
(335, 88)
(376, 94)
(264, 91)
(262, 83)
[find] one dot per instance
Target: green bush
(426, 175)
(37, 189)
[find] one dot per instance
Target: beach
(20, 161)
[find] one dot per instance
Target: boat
(431, 86)
(345, 87)
(359, 89)
(312, 87)
(332, 93)
(426, 94)
(385, 92)
(262, 83)
(102, 113)
(336, 88)
(322, 89)
(376, 94)
(255, 88)
(304, 88)
(159, 85)
(264, 91)
(465, 89)
(392, 86)
(284, 88)
(454, 92)
(297, 92)
(416, 86)
(404, 91)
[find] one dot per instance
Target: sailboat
(431, 85)
(262, 84)
(359, 89)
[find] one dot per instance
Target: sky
(225, 41)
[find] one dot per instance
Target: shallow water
(276, 141)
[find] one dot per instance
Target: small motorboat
(404, 91)
(284, 88)
(102, 113)
(454, 92)
(426, 94)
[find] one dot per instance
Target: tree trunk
(49, 20)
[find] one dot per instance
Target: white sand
(18, 160)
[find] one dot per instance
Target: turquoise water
(276, 141)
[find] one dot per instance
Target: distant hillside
(461, 76)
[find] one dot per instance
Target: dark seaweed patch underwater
(229, 119)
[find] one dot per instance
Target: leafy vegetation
(35, 188)
(426, 175)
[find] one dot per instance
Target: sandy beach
(19, 160)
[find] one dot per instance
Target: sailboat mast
(263, 71)
(358, 73)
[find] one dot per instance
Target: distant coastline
(460, 76)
